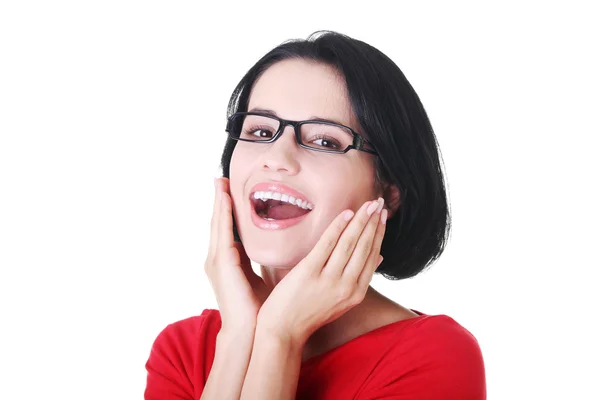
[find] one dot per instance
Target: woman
(331, 173)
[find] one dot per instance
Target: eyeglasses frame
(358, 142)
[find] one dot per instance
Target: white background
(112, 119)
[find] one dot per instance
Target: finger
(362, 251)
(225, 183)
(214, 222)
(366, 275)
(244, 259)
(347, 242)
(225, 233)
(320, 253)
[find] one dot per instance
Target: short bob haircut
(393, 119)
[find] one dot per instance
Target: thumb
(245, 261)
(255, 280)
(242, 252)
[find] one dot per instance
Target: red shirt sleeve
(181, 358)
(445, 362)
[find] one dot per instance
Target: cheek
(235, 161)
(243, 159)
(349, 188)
(241, 163)
(237, 176)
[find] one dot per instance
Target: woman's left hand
(330, 280)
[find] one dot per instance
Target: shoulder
(443, 332)
(433, 355)
(193, 336)
(205, 323)
(441, 340)
(435, 332)
(182, 355)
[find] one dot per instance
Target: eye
(324, 141)
(261, 133)
(258, 133)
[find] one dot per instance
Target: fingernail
(380, 202)
(372, 207)
(380, 260)
(384, 216)
(348, 215)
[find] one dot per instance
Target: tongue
(285, 211)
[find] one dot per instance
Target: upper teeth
(264, 196)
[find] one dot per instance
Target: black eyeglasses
(317, 135)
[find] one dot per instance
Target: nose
(281, 155)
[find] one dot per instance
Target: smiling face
(329, 183)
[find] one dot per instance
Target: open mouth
(274, 206)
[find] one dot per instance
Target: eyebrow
(313, 118)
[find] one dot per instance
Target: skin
(313, 293)
(298, 90)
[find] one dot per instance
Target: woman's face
(296, 90)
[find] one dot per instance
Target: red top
(429, 357)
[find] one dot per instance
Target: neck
(272, 276)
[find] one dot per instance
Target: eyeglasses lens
(315, 135)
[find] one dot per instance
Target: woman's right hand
(239, 291)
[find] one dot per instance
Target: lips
(289, 206)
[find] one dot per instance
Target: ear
(391, 196)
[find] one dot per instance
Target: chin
(273, 258)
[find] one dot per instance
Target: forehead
(299, 89)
